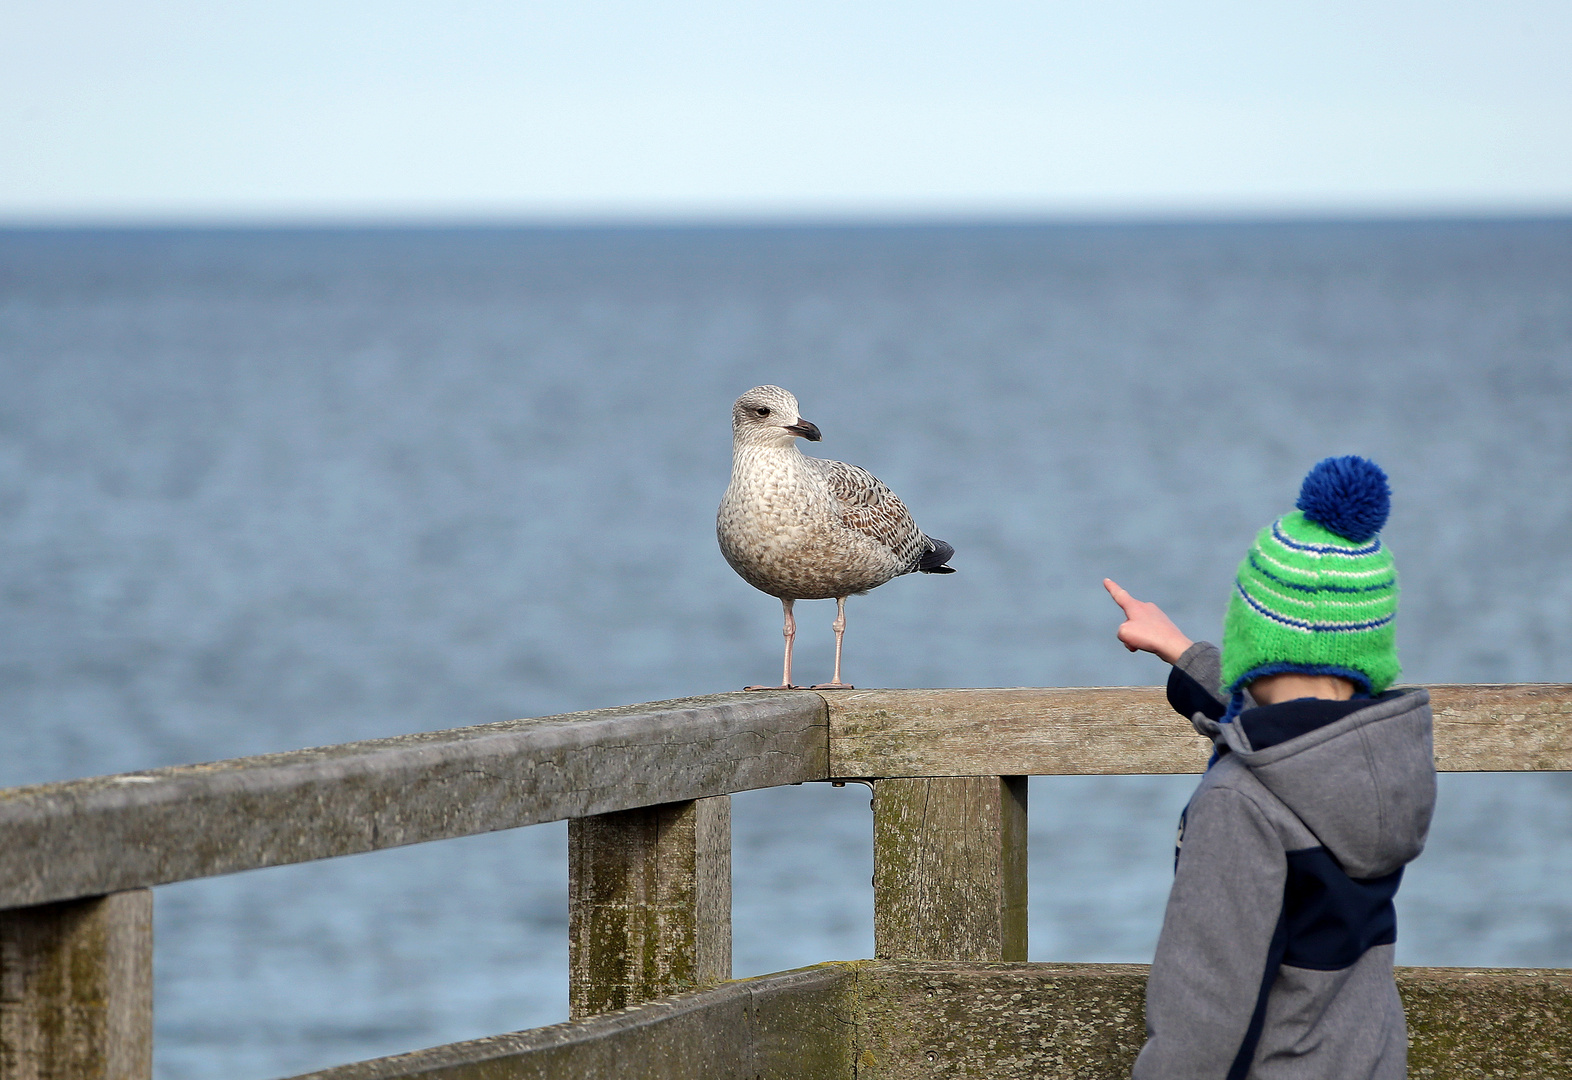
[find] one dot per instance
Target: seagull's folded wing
(868, 507)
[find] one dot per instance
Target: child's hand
(1146, 628)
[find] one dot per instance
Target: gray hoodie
(1275, 960)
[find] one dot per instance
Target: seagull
(802, 528)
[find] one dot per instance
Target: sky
(485, 110)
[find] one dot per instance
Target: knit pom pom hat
(1317, 592)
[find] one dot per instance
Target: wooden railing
(645, 789)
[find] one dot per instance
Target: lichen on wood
(949, 868)
(649, 903)
(76, 989)
(1467, 1023)
(930, 1020)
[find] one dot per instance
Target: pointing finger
(1120, 597)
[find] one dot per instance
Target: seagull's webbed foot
(832, 686)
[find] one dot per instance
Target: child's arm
(1146, 628)
(1192, 689)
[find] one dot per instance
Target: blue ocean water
(271, 489)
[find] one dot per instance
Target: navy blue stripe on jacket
(1328, 921)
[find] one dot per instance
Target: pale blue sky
(480, 109)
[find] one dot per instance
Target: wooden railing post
(76, 989)
(949, 868)
(649, 903)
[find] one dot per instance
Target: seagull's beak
(805, 429)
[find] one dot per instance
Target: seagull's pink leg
(839, 626)
(790, 633)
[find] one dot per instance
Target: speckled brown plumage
(802, 528)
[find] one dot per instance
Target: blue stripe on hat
(1323, 549)
(1301, 624)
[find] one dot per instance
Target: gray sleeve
(1203, 662)
(1217, 935)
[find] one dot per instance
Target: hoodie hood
(1363, 783)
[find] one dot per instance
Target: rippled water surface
(268, 490)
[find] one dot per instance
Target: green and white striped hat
(1317, 592)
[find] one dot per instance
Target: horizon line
(721, 220)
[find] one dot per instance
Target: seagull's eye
(762, 411)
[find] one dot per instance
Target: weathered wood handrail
(106, 834)
(1521, 727)
(89, 837)
(646, 790)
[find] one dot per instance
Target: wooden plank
(1473, 1023)
(790, 1026)
(88, 837)
(711, 890)
(802, 1023)
(925, 1020)
(1131, 729)
(1521, 727)
(649, 903)
(929, 1020)
(76, 989)
(949, 868)
(110, 834)
(1020, 732)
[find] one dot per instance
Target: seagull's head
(767, 416)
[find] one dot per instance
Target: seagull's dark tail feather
(933, 562)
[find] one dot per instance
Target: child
(1275, 959)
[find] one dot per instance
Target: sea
(267, 489)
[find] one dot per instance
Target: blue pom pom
(1348, 495)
